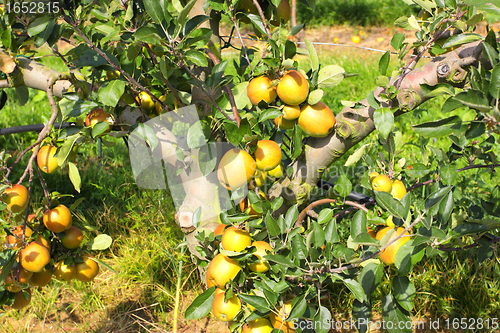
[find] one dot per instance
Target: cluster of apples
(34, 256)
(383, 183)
(292, 89)
(222, 269)
(238, 168)
(398, 190)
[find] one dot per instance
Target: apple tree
(248, 149)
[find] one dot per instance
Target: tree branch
(355, 124)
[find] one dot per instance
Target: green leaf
(110, 92)
(7, 261)
(331, 232)
(343, 186)
(397, 41)
(473, 99)
(259, 303)
(146, 133)
(329, 76)
(240, 96)
(383, 63)
(356, 289)
(404, 292)
(325, 216)
(38, 25)
(318, 234)
(490, 53)
(392, 313)
(425, 4)
(297, 142)
(476, 129)
(279, 259)
(323, 316)
(147, 35)
(372, 101)
(269, 114)
(439, 128)
(291, 216)
(201, 306)
(362, 314)
(23, 94)
(436, 197)
(66, 149)
(370, 277)
(403, 258)
(100, 128)
(74, 176)
(235, 134)
(469, 228)
(461, 39)
(207, 158)
(403, 23)
(100, 242)
(446, 208)
(299, 308)
(418, 170)
(313, 56)
(495, 82)
(193, 24)
(195, 136)
(299, 249)
(155, 9)
(390, 204)
(184, 12)
(448, 174)
(384, 121)
(358, 223)
(195, 220)
(7, 38)
(196, 57)
(257, 23)
(295, 30)
(356, 156)
(315, 96)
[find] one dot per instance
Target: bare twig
(210, 97)
(233, 19)
(356, 205)
(46, 129)
(174, 91)
(413, 61)
(228, 90)
(302, 214)
(263, 18)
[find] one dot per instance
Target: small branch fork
(233, 19)
(263, 18)
(230, 95)
(413, 61)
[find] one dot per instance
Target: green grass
(353, 12)
(139, 297)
